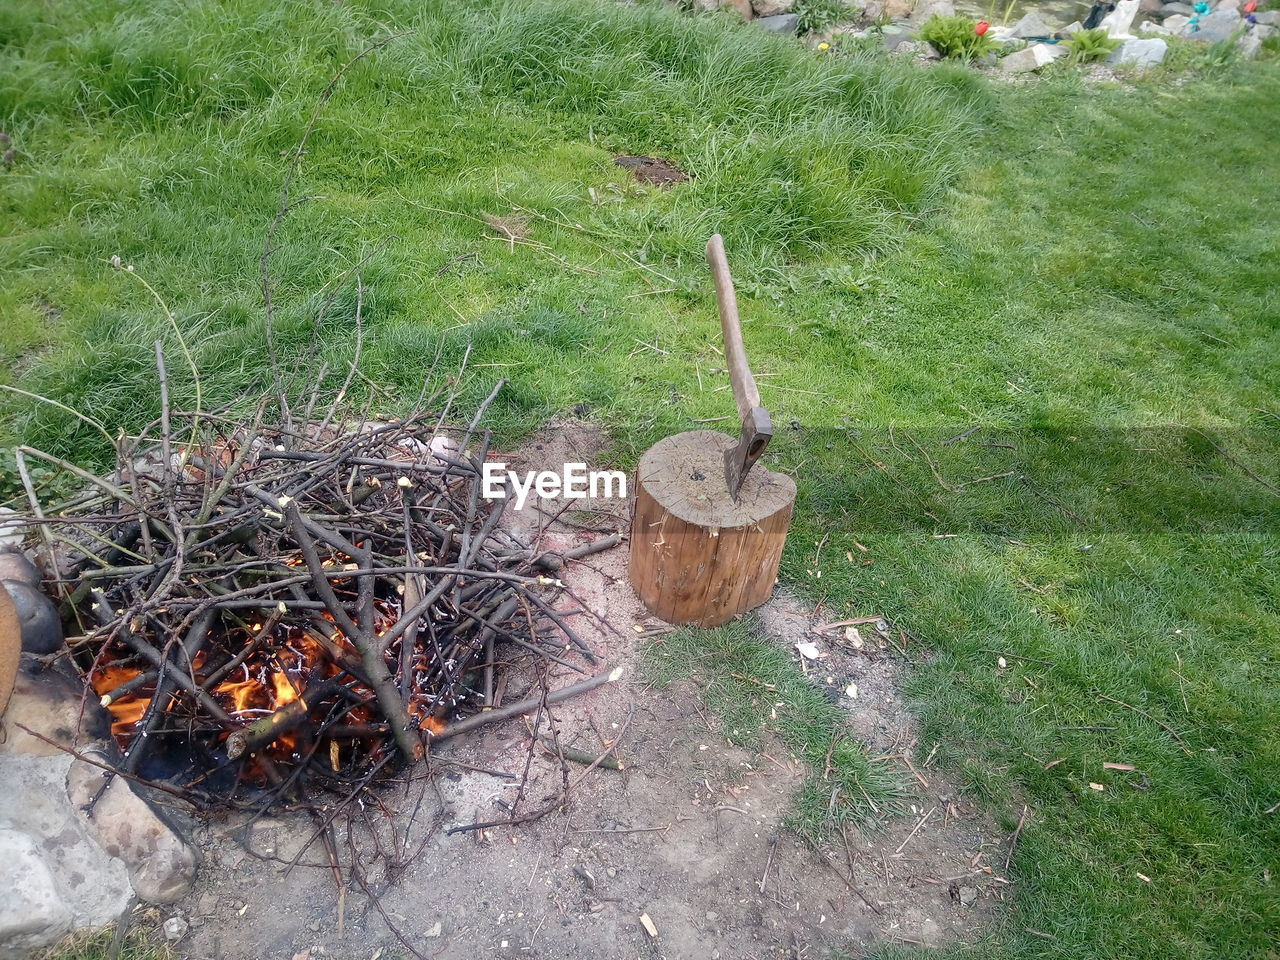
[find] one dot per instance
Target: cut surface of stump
(697, 555)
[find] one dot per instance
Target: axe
(757, 427)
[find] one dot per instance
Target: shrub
(818, 14)
(1089, 45)
(955, 37)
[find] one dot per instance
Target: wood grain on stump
(10, 646)
(697, 556)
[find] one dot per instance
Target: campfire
(266, 608)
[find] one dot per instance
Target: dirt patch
(688, 833)
(661, 173)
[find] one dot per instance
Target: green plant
(817, 14)
(955, 38)
(1087, 46)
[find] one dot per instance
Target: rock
(12, 529)
(772, 8)
(968, 896)
(1153, 7)
(175, 928)
(896, 9)
(32, 911)
(48, 703)
(1028, 59)
(37, 616)
(1119, 22)
(1250, 44)
(58, 853)
(1176, 25)
(1031, 25)
(1140, 54)
(1069, 30)
(786, 23)
(14, 565)
(894, 40)
(741, 7)
(1216, 27)
(1178, 9)
(161, 865)
(1268, 18)
(925, 9)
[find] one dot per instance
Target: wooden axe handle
(745, 392)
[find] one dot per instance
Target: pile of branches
(310, 599)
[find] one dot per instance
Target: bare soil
(687, 835)
(661, 173)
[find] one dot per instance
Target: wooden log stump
(698, 557)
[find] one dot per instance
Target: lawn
(1087, 275)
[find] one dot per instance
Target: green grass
(100, 946)
(1090, 276)
(755, 689)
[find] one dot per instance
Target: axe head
(757, 431)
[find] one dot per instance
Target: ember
(307, 603)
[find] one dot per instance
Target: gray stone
(1176, 25)
(12, 530)
(41, 628)
(1216, 27)
(1269, 18)
(933, 8)
(741, 7)
(1119, 22)
(968, 896)
(1178, 9)
(1070, 30)
(1150, 6)
(14, 565)
(772, 8)
(786, 23)
(32, 911)
(1250, 44)
(1139, 54)
(175, 928)
(91, 886)
(1031, 25)
(48, 702)
(1027, 59)
(162, 867)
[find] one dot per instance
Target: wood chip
(1143, 877)
(1118, 766)
(648, 925)
(1097, 786)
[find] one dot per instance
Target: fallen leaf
(1053, 763)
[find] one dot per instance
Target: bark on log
(697, 556)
